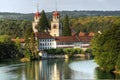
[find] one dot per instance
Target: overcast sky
(29, 6)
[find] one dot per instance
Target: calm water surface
(53, 69)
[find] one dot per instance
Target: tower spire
(37, 14)
(56, 5)
(37, 7)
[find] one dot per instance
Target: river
(53, 69)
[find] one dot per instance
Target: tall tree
(106, 48)
(43, 22)
(66, 27)
(31, 44)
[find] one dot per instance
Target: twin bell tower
(55, 28)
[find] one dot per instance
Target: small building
(43, 54)
(21, 40)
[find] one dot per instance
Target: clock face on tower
(54, 26)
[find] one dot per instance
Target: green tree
(66, 27)
(106, 48)
(31, 44)
(88, 50)
(43, 22)
(9, 50)
(14, 28)
(4, 38)
(79, 50)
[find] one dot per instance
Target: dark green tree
(14, 28)
(66, 27)
(106, 48)
(8, 49)
(43, 22)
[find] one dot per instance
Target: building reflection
(55, 69)
(46, 70)
(43, 70)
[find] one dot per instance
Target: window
(54, 26)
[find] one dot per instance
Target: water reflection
(54, 69)
(83, 69)
(46, 70)
(105, 75)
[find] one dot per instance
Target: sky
(30, 6)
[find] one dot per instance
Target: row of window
(62, 43)
(42, 48)
(47, 40)
(46, 44)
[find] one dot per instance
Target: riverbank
(66, 56)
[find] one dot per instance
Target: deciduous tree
(106, 48)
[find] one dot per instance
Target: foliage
(31, 45)
(69, 51)
(106, 48)
(18, 28)
(66, 27)
(9, 50)
(79, 51)
(56, 51)
(12, 50)
(71, 14)
(4, 38)
(88, 50)
(43, 23)
(100, 74)
(92, 24)
(14, 28)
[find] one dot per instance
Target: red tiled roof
(85, 38)
(21, 40)
(86, 34)
(37, 14)
(43, 35)
(56, 13)
(91, 34)
(66, 39)
(81, 34)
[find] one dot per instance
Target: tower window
(54, 26)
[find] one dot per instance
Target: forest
(17, 28)
(93, 23)
(14, 28)
(71, 14)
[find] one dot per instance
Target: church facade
(56, 27)
(54, 38)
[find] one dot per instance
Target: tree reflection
(100, 74)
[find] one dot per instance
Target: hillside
(71, 14)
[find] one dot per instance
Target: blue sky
(29, 6)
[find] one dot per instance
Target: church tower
(35, 22)
(56, 28)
